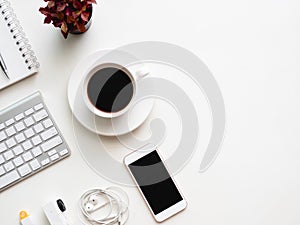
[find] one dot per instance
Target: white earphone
(115, 197)
(91, 205)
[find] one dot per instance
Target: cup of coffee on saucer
(109, 89)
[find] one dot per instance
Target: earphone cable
(112, 194)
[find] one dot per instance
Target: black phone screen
(155, 182)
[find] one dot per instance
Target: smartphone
(154, 182)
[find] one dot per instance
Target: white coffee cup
(134, 76)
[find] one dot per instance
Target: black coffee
(110, 89)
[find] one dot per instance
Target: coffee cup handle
(141, 73)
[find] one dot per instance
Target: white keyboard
(29, 140)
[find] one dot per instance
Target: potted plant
(71, 16)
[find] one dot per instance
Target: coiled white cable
(116, 199)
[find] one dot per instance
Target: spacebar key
(51, 143)
(9, 178)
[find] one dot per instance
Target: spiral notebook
(15, 49)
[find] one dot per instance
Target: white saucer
(123, 124)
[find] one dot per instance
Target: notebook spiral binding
(18, 35)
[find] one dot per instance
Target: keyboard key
(27, 145)
(40, 115)
(10, 131)
(2, 136)
(9, 122)
(8, 155)
(64, 152)
(29, 121)
(35, 164)
(54, 157)
(2, 147)
(45, 162)
(20, 126)
(2, 126)
(11, 143)
(9, 166)
(2, 160)
(47, 123)
(49, 133)
(24, 170)
(38, 107)
(52, 143)
(19, 116)
(18, 161)
(9, 178)
(38, 128)
(52, 152)
(36, 140)
(29, 133)
(20, 137)
(2, 171)
(27, 156)
(36, 151)
(29, 112)
(18, 150)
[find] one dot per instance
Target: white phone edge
(169, 212)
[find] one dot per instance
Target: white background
(251, 46)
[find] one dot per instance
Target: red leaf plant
(69, 15)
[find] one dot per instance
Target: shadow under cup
(110, 89)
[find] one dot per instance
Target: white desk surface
(253, 49)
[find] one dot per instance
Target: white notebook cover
(19, 58)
